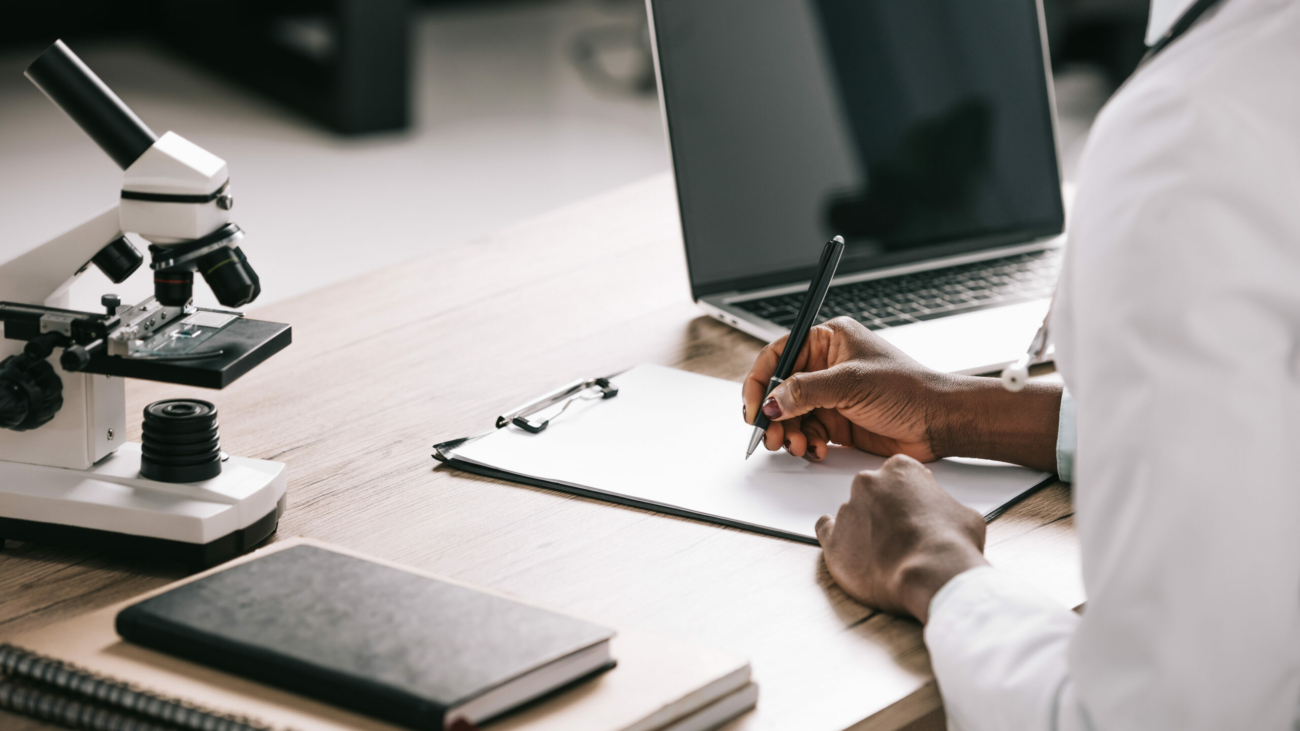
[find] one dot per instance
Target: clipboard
(596, 438)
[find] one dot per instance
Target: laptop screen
(914, 128)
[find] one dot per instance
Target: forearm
(977, 417)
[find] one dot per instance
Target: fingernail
(787, 445)
(811, 454)
(771, 409)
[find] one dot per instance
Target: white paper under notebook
(674, 441)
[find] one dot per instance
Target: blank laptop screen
(914, 128)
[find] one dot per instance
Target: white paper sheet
(674, 438)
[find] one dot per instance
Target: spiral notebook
(674, 442)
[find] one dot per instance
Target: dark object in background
(1107, 33)
(344, 63)
(594, 49)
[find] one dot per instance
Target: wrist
(922, 578)
(976, 417)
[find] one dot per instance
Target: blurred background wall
(363, 132)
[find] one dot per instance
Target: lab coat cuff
(976, 596)
(998, 649)
(1066, 438)
(960, 591)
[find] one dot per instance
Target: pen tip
(838, 239)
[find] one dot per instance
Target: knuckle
(823, 527)
(865, 481)
(866, 477)
(843, 323)
(797, 388)
(901, 463)
(844, 510)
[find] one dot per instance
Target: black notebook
(377, 640)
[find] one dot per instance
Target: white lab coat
(1178, 332)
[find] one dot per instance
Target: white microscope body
(73, 478)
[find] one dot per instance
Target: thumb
(804, 392)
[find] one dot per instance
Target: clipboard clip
(526, 417)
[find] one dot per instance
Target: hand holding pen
(851, 387)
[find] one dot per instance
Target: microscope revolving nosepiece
(217, 257)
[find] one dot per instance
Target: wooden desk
(388, 363)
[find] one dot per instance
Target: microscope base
(111, 508)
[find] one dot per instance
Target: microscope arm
(42, 275)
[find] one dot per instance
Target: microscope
(67, 474)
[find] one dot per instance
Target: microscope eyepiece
(118, 260)
(70, 84)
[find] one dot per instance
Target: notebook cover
(372, 638)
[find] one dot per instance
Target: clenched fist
(900, 538)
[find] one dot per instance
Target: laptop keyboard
(908, 298)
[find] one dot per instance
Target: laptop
(923, 131)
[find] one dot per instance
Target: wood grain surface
(386, 364)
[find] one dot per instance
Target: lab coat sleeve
(1187, 378)
(1186, 343)
(1066, 438)
(998, 648)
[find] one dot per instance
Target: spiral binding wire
(52, 690)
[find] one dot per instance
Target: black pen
(812, 304)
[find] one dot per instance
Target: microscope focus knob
(31, 393)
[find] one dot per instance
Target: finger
(839, 430)
(754, 387)
(861, 342)
(817, 439)
(795, 440)
(774, 437)
(804, 392)
(824, 528)
(812, 357)
(874, 443)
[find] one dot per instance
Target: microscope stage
(244, 344)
